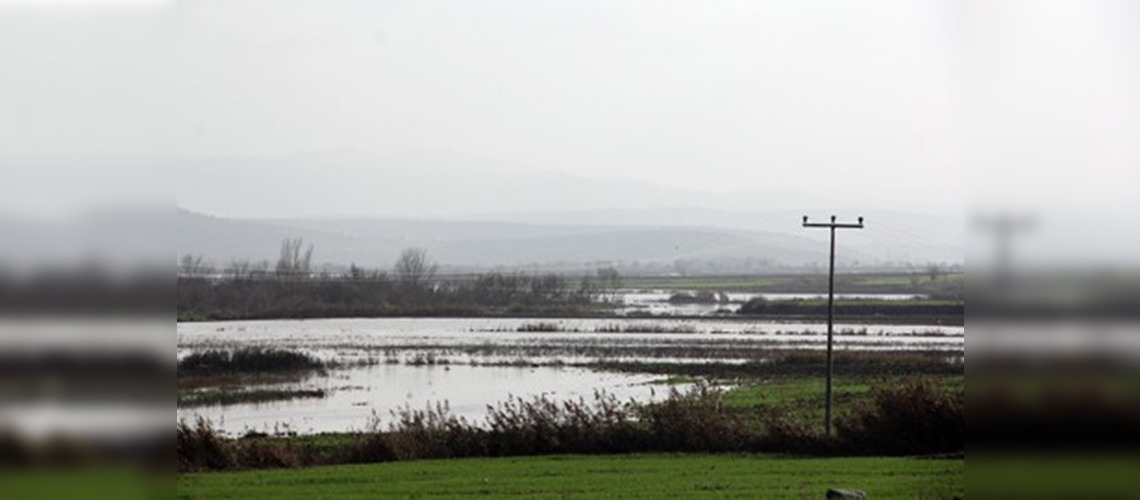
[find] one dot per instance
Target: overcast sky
(709, 95)
(885, 101)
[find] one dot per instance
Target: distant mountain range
(572, 243)
(433, 184)
(470, 211)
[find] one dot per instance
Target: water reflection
(355, 395)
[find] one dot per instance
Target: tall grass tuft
(539, 426)
(201, 448)
(696, 420)
(914, 417)
(686, 421)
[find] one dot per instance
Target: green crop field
(85, 483)
(802, 398)
(633, 476)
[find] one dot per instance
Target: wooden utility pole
(831, 303)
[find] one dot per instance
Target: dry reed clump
(539, 426)
(432, 433)
(914, 417)
(686, 421)
(260, 454)
(696, 420)
(200, 448)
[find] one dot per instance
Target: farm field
(625, 476)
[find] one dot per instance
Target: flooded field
(389, 363)
(403, 339)
(357, 395)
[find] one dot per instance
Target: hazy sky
(710, 95)
(894, 102)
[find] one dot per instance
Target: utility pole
(831, 303)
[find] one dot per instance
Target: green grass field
(633, 476)
(802, 398)
(85, 483)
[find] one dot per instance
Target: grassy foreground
(626, 476)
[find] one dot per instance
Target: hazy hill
(434, 184)
(474, 211)
(377, 242)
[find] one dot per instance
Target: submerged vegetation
(223, 397)
(232, 376)
(246, 360)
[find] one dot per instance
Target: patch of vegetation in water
(247, 360)
(226, 397)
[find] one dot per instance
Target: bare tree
(192, 266)
(934, 271)
(293, 263)
(414, 269)
(239, 269)
(259, 270)
(609, 280)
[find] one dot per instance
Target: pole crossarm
(833, 225)
(822, 224)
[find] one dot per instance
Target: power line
(910, 238)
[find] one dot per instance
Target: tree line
(412, 287)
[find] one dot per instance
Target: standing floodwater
(383, 364)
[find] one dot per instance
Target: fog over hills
(434, 184)
(471, 211)
(471, 244)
